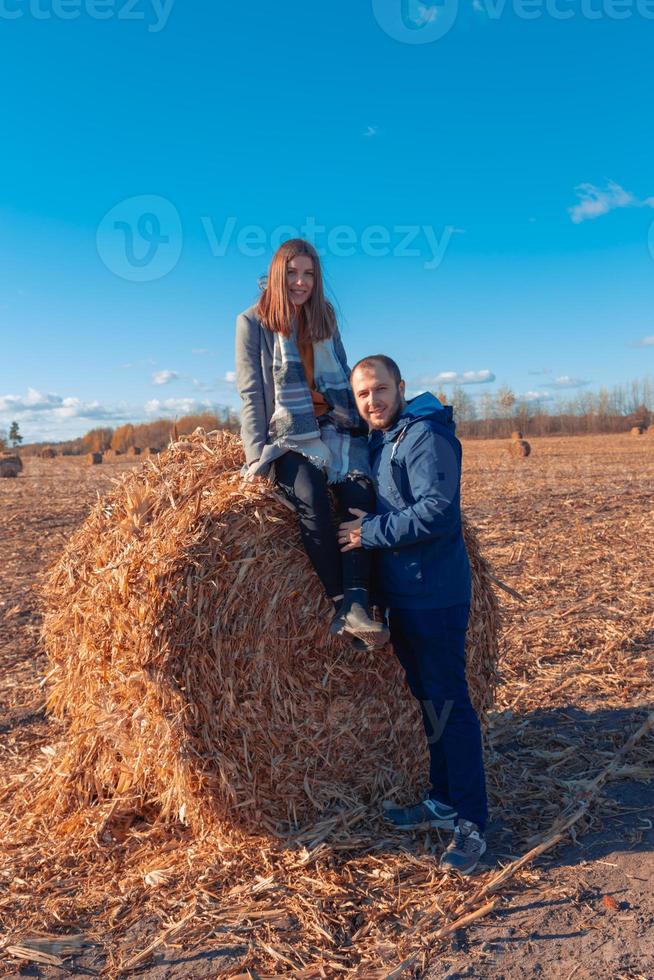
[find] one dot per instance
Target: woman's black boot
(354, 618)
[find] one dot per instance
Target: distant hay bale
(133, 451)
(636, 430)
(150, 451)
(516, 435)
(10, 466)
(519, 447)
(48, 453)
(192, 663)
(93, 458)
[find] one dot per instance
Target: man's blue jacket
(422, 561)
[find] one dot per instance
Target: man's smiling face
(379, 398)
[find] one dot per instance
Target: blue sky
(509, 155)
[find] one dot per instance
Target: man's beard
(394, 415)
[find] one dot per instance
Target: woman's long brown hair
(275, 308)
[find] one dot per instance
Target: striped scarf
(331, 442)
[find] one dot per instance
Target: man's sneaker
(465, 849)
(429, 813)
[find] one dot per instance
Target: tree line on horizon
(145, 435)
(492, 416)
(495, 415)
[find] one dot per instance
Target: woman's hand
(349, 532)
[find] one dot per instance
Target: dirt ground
(570, 528)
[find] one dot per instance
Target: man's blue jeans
(430, 645)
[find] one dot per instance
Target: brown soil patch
(570, 529)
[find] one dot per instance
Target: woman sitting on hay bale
(300, 424)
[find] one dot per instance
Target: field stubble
(570, 529)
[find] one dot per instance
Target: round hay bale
(10, 466)
(48, 453)
(519, 447)
(193, 668)
(517, 434)
(93, 458)
(133, 451)
(636, 430)
(150, 451)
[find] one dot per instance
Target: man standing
(424, 580)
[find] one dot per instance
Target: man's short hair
(387, 362)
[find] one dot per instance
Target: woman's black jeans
(306, 487)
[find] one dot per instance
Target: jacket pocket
(401, 571)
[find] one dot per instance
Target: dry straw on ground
(10, 466)
(349, 897)
(192, 665)
(519, 447)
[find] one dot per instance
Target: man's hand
(349, 532)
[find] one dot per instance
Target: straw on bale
(517, 434)
(93, 458)
(10, 466)
(519, 447)
(636, 430)
(191, 661)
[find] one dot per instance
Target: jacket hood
(425, 405)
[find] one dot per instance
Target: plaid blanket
(333, 442)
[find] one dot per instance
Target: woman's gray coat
(254, 379)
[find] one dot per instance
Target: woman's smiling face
(299, 278)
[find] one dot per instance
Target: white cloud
(371, 131)
(595, 201)
(50, 415)
(200, 350)
(534, 396)
(33, 401)
(644, 342)
(565, 381)
(177, 406)
(164, 377)
(478, 6)
(230, 377)
(458, 378)
(541, 371)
